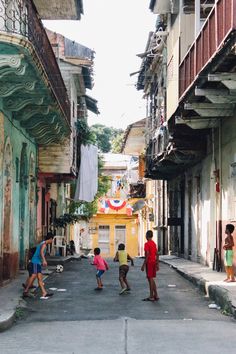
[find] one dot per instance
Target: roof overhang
(134, 138)
(91, 104)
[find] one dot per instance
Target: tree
(117, 143)
(107, 138)
(103, 137)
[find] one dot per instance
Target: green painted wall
(17, 137)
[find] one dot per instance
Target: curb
(7, 320)
(215, 293)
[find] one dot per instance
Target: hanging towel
(87, 182)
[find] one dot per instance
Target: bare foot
(227, 279)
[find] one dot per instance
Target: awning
(91, 104)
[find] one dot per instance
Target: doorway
(104, 239)
(120, 235)
(7, 212)
(23, 193)
(189, 219)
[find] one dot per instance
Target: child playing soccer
(101, 266)
(229, 253)
(151, 264)
(123, 257)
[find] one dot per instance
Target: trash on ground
(213, 306)
(61, 290)
(53, 289)
(187, 319)
(171, 286)
(166, 311)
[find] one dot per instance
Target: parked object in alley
(59, 268)
(151, 264)
(70, 248)
(101, 266)
(123, 257)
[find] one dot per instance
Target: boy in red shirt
(151, 263)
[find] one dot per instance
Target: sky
(116, 31)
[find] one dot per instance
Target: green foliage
(105, 136)
(117, 143)
(86, 210)
(84, 134)
(66, 219)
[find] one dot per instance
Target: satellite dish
(140, 204)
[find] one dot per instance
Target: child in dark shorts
(101, 266)
(30, 268)
(123, 257)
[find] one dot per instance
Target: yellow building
(108, 230)
(115, 222)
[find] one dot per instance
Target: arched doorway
(22, 203)
(32, 201)
(7, 210)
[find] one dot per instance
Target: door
(22, 204)
(120, 233)
(7, 212)
(104, 239)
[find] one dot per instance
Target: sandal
(49, 294)
(149, 299)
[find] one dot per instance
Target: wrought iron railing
(137, 190)
(20, 17)
(219, 24)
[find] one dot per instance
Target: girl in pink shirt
(101, 266)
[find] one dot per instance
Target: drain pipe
(220, 196)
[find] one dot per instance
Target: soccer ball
(59, 268)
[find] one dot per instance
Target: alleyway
(67, 323)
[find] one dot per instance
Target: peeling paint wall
(13, 136)
(205, 213)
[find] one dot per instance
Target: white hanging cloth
(87, 182)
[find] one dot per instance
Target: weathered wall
(208, 210)
(15, 138)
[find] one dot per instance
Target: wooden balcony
(218, 28)
(32, 88)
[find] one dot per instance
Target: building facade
(188, 76)
(35, 112)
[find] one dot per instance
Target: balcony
(32, 88)
(215, 36)
(59, 9)
(182, 149)
(137, 190)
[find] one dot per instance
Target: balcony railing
(20, 17)
(137, 190)
(218, 26)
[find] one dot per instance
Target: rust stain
(8, 266)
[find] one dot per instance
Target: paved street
(81, 320)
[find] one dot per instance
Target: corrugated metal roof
(91, 104)
(74, 49)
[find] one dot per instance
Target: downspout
(197, 17)
(220, 195)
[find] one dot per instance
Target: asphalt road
(82, 320)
